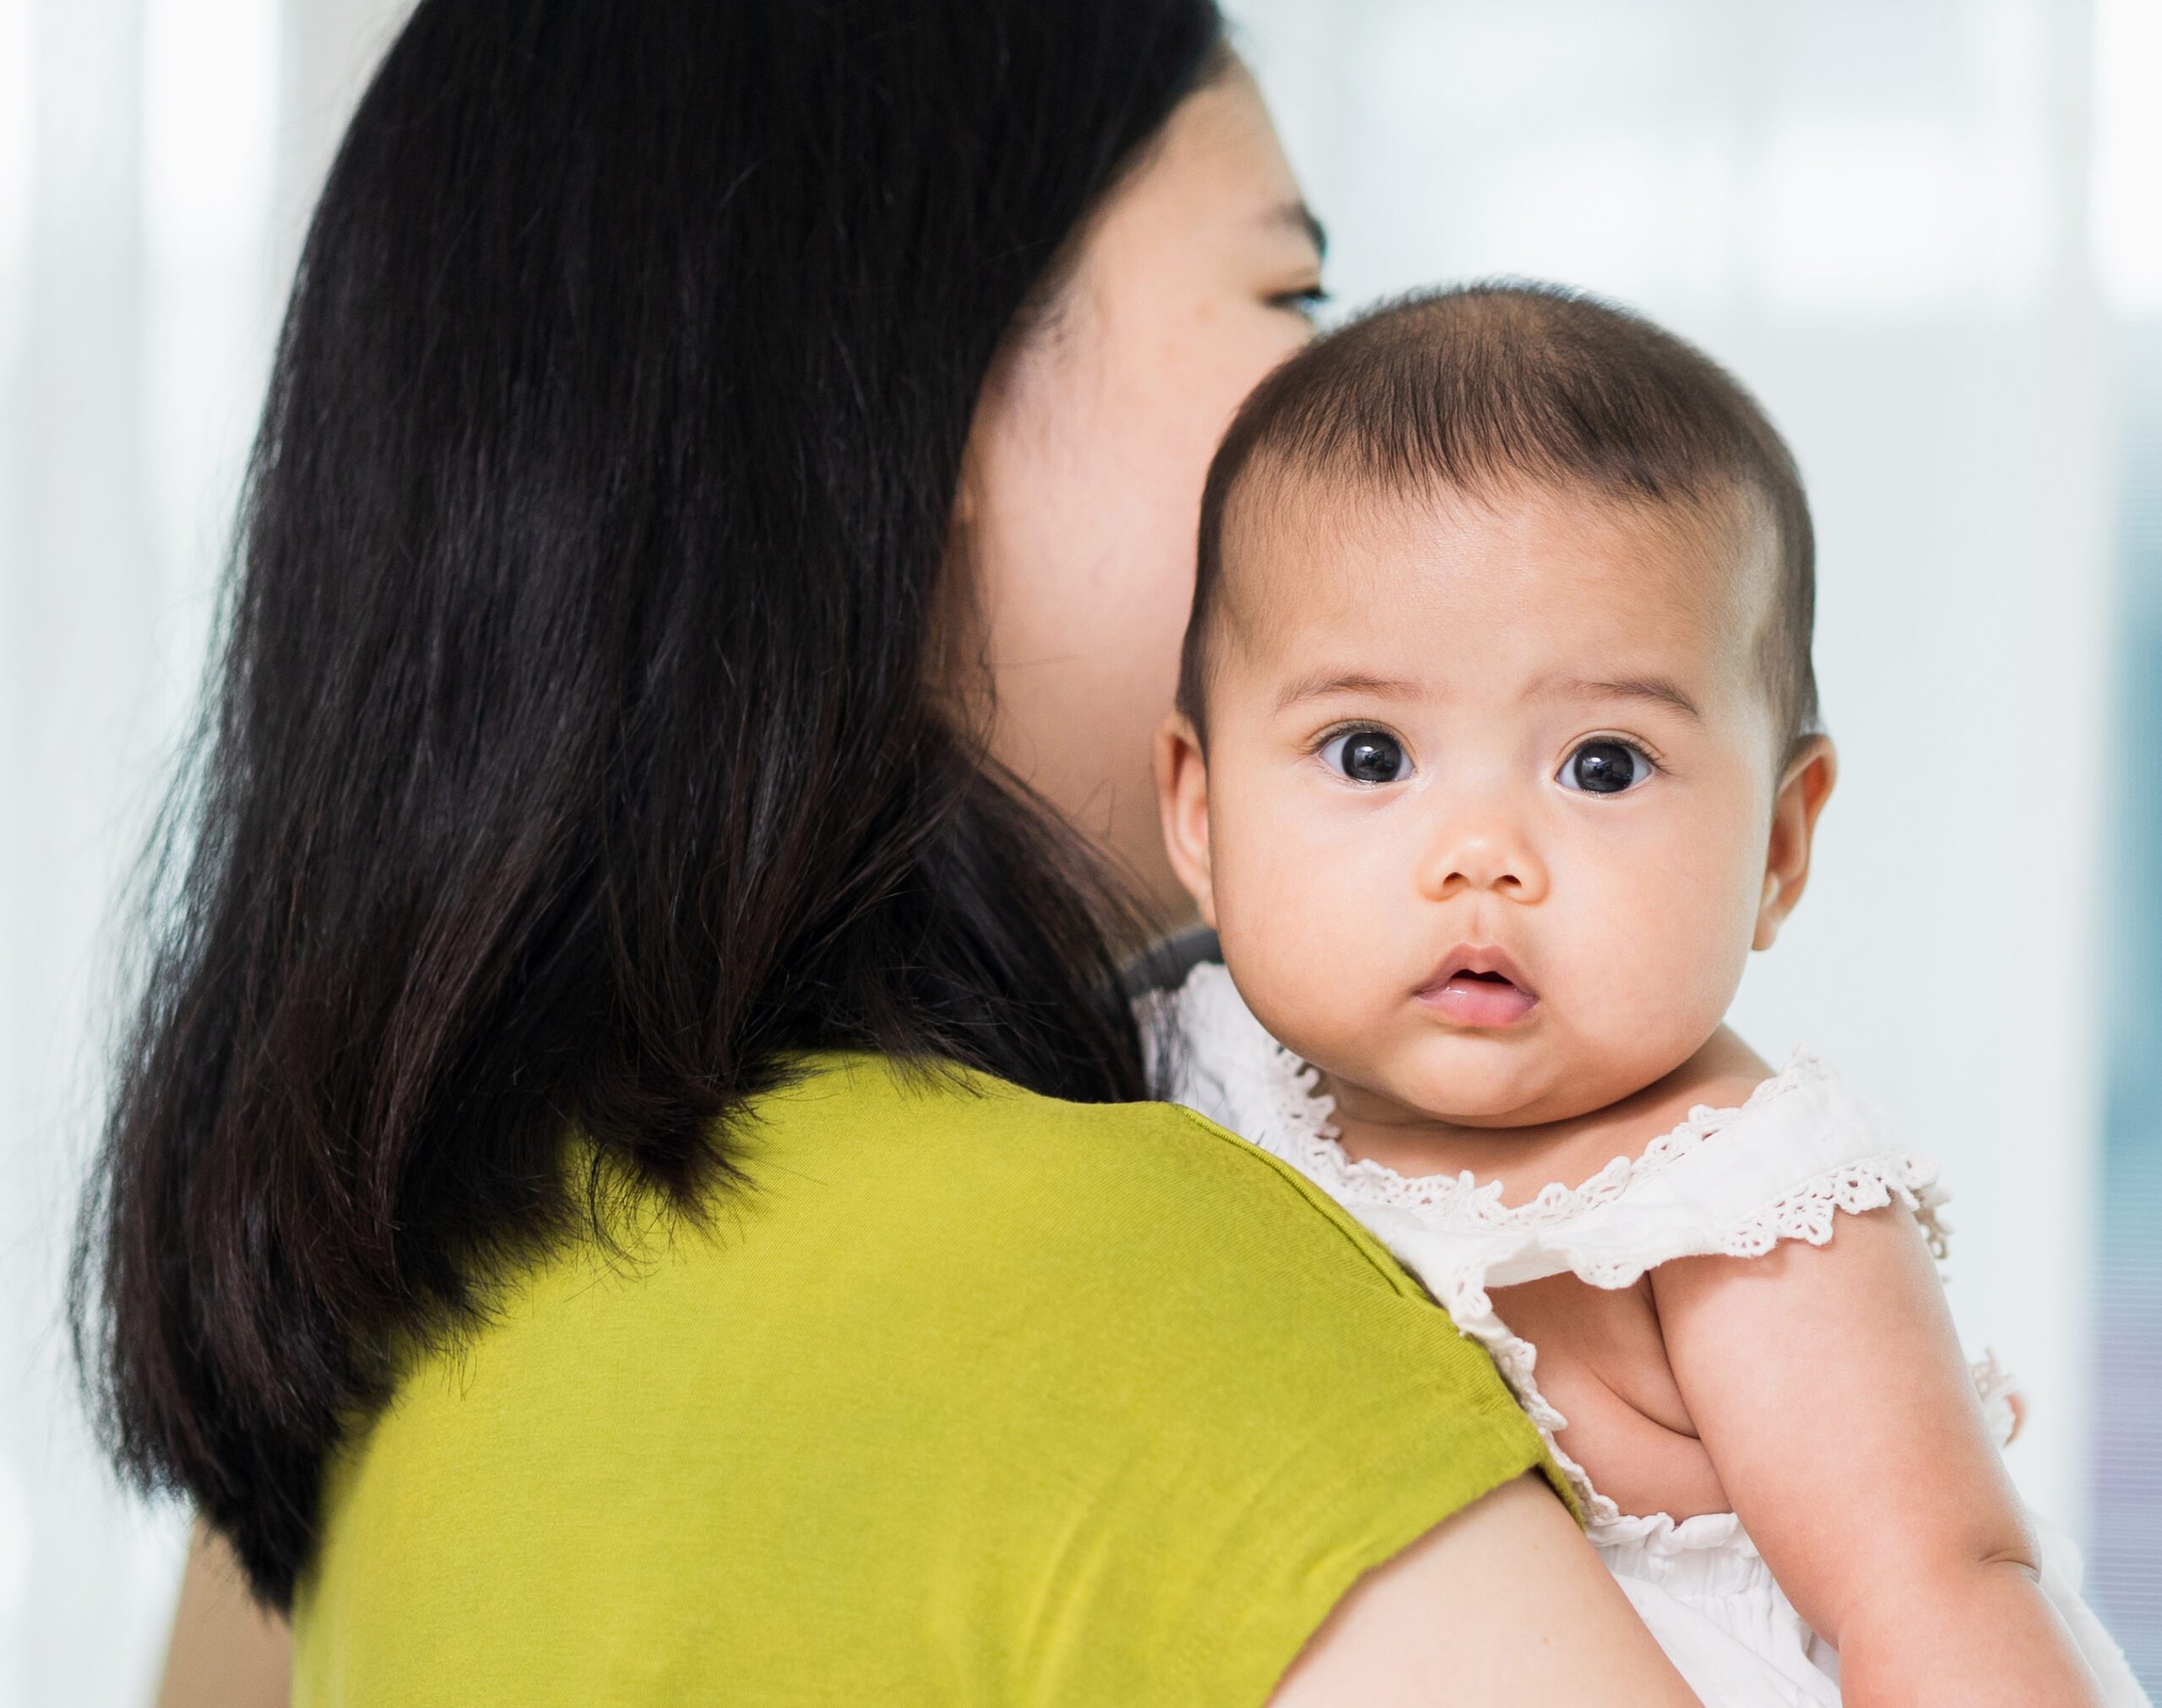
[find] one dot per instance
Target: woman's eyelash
(1309, 300)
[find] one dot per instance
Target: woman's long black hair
(571, 749)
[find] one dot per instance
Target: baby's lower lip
(1471, 1001)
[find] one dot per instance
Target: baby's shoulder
(1760, 1159)
(1727, 1111)
(1724, 1088)
(1726, 1073)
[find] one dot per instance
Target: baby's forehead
(1521, 568)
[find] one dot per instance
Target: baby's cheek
(1267, 916)
(1673, 971)
(1304, 929)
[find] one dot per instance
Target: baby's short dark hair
(1478, 387)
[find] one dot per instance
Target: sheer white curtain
(157, 161)
(1878, 215)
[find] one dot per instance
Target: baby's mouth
(1478, 988)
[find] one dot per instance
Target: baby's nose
(1486, 856)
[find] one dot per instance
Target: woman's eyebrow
(1300, 218)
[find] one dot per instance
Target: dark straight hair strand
(571, 752)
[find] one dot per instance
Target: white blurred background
(1927, 232)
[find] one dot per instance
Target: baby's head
(1496, 747)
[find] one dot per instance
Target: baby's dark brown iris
(1604, 768)
(1371, 756)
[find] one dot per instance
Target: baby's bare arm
(1828, 1385)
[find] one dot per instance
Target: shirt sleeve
(1267, 1408)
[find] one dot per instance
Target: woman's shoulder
(1141, 1257)
(1110, 1380)
(1132, 1188)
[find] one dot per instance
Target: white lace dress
(1737, 1181)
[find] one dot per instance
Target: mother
(627, 1186)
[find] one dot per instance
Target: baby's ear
(1803, 791)
(1182, 801)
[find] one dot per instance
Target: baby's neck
(1524, 1159)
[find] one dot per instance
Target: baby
(1496, 753)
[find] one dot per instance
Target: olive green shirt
(971, 1397)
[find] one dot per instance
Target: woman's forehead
(1218, 169)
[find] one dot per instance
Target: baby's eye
(1606, 766)
(1367, 755)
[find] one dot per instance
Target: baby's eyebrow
(1656, 689)
(1315, 686)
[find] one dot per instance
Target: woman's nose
(1489, 854)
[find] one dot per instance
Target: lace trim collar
(1303, 1113)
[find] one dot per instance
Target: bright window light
(2127, 196)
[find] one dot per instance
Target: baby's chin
(1470, 1083)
